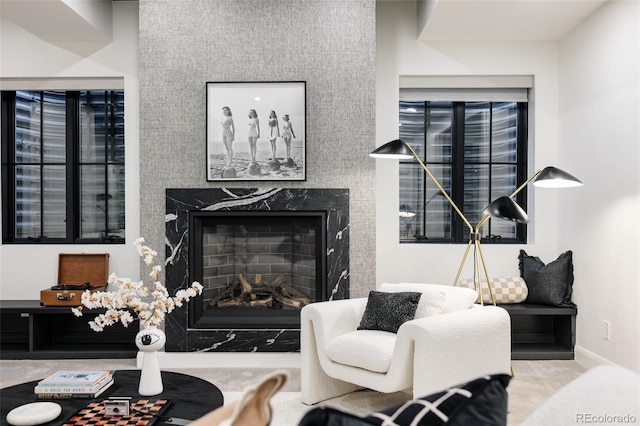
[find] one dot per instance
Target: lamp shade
(395, 149)
(506, 208)
(552, 177)
(406, 211)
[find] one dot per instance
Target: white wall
(400, 53)
(27, 269)
(600, 142)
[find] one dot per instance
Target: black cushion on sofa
(388, 311)
(550, 284)
(480, 402)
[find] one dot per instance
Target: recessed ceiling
(502, 20)
(443, 20)
(62, 20)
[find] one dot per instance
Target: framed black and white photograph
(256, 131)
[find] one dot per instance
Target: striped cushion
(506, 289)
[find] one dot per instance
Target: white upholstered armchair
(450, 341)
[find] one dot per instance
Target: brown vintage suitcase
(76, 270)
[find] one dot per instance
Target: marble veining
(181, 202)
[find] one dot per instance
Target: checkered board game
(143, 413)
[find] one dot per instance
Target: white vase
(149, 340)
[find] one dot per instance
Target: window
(63, 166)
(477, 151)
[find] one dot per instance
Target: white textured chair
(450, 341)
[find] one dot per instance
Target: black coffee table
(191, 397)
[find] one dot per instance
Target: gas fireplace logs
(274, 295)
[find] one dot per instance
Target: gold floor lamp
(502, 207)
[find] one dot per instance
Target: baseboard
(226, 360)
(588, 359)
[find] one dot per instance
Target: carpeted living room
(408, 282)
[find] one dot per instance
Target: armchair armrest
(319, 323)
(331, 319)
(457, 347)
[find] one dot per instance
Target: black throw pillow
(480, 402)
(388, 311)
(550, 284)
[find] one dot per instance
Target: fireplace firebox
(261, 255)
(258, 268)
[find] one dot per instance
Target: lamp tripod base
(474, 239)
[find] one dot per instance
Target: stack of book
(74, 384)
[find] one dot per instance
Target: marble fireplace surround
(181, 201)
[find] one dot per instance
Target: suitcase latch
(65, 295)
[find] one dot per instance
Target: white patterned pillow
(505, 289)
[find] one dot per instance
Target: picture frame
(244, 139)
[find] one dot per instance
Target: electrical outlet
(607, 330)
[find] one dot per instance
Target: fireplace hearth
(261, 255)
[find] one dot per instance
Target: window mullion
(42, 212)
(457, 172)
(423, 208)
(73, 199)
(522, 169)
(107, 112)
(490, 165)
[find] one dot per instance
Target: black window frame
(72, 163)
(459, 231)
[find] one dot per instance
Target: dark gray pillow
(550, 284)
(388, 311)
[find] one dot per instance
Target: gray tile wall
(330, 44)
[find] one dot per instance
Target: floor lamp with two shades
(502, 207)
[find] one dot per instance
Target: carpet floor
(532, 384)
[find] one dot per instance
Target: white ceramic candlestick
(149, 341)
